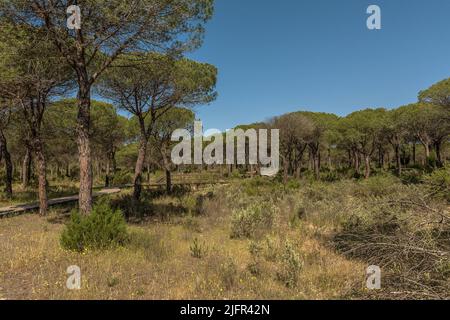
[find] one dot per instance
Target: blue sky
(281, 56)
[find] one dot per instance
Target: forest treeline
(51, 127)
(414, 135)
(411, 135)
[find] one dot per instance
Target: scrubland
(248, 239)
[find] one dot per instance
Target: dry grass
(26, 195)
(182, 246)
(158, 263)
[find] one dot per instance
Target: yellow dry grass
(158, 262)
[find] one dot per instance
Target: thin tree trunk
(8, 165)
(437, 147)
(42, 177)
(298, 172)
(68, 170)
(285, 171)
(114, 162)
(427, 150)
(350, 159)
(58, 170)
(137, 182)
(398, 159)
(316, 163)
(107, 172)
(356, 162)
(26, 168)
(367, 167)
(319, 160)
(329, 159)
(148, 172)
(168, 181)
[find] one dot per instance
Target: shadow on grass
(146, 210)
(30, 195)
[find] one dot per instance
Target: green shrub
(412, 176)
(255, 265)
(195, 204)
(271, 248)
(122, 178)
(251, 221)
(379, 185)
(330, 176)
(259, 185)
(228, 273)
(189, 202)
(438, 183)
(293, 184)
(198, 250)
(290, 266)
(102, 229)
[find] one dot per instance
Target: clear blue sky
(287, 55)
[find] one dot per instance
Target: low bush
(122, 178)
(103, 228)
(228, 273)
(330, 176)
(290, 266)
(412, 176)
(254, 187)
(251, 221)
(197, 249)
(438, 183)
(377, 186)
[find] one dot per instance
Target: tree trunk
(114, 162)
(437, 147)
(285, 171)
(148, 172)
(137, 181)
(367, 166)
(381, 158)
(350, 159)
(329, 159)
(107, 173)
(356, 162)
(319, 160)
(298, 172)
(310, 161)
(84, 148)
(316, 162)
(427, 150)
(398, 159)
(68, 170)
(58, 170)
(26, 168)
(8, 165)
(168, 181)
(41, 169)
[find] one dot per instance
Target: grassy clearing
(301, 246)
